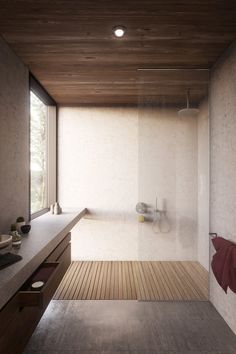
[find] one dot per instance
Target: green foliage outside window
(38, 153)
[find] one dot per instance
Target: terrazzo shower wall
(111, 158)
(14, 138)
(168, 171)
(98, 169)
(223, 168)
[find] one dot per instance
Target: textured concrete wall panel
(223, 168)
(14, 138)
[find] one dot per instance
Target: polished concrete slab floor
(125, 327)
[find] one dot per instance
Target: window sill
(38, 213)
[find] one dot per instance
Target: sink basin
(5, 240)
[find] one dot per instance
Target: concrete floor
(73, 327)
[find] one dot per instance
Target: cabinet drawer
(53, 257)
(49, 272)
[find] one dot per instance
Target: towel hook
(213, 234)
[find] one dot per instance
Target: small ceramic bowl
(25, 229)
(37, 285)
(5, 240)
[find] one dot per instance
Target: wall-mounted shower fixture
(141, 208)
(187, 111)
(156, 219)
(161, 223)
(174, 69)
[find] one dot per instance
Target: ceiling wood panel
(69, 46)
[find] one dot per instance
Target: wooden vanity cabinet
(20, 316)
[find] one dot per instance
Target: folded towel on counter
(8, 259)
(224, 263)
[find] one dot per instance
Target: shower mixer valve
(158, 218)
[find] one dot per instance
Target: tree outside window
(38, 153)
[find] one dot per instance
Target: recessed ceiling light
(119, 31)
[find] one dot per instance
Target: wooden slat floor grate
(134, 280)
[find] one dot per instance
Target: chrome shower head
(187, 111)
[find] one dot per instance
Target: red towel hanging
(224, 263)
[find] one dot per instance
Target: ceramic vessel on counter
(25, 229)
(16, 238)
(5, 240)
(20, 221)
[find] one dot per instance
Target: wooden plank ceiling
(69, 46)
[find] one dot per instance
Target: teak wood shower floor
(156, 281)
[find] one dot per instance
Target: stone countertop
(47, 231)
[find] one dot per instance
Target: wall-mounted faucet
(158, 217)
(161, 223)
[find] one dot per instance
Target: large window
(42, 154)
(38, 149)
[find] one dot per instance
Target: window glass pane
(38, 153)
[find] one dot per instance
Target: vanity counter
(47, 231)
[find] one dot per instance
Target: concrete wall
(14, 138)
(203, 185)
(111, 158)
(223, 168)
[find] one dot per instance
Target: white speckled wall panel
(223, 168)
(102, 167)
(98, 168)
(203, 185)
(168, 171)
(14, 138)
